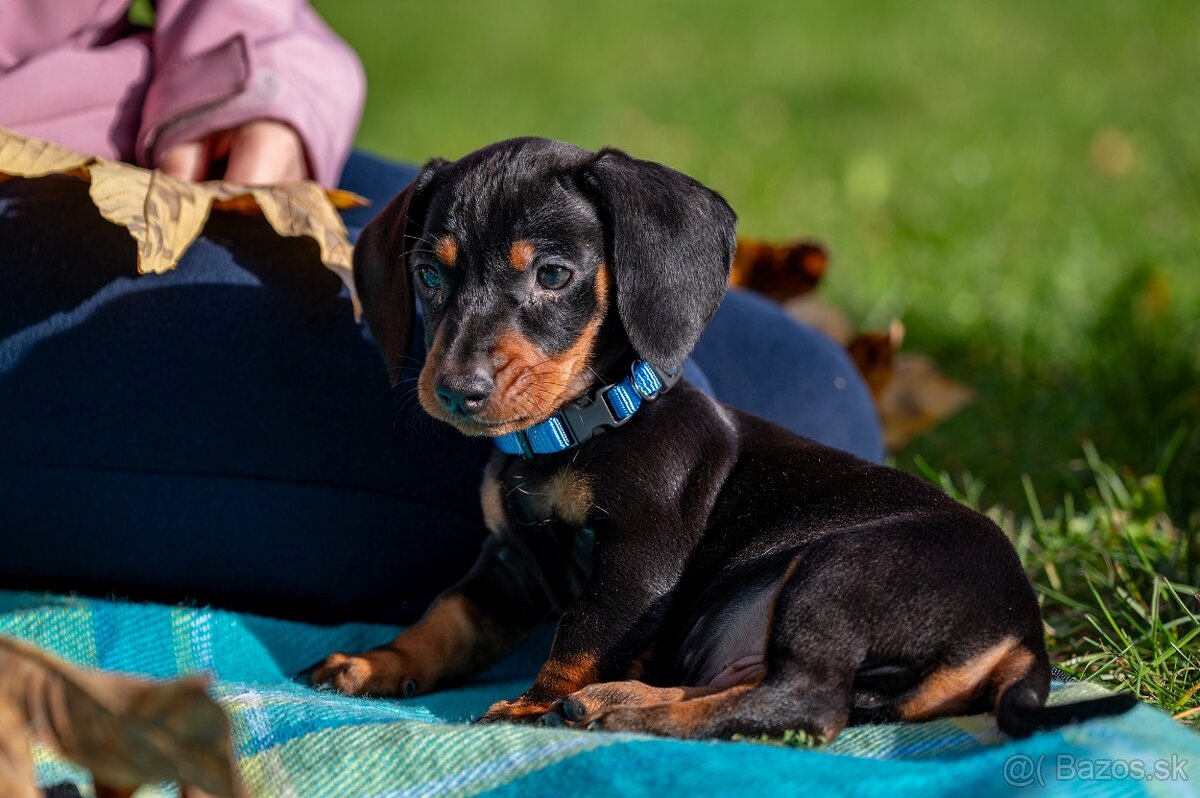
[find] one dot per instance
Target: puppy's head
(530, 258)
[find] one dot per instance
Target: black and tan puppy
(715, 574)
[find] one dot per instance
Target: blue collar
(601, 408)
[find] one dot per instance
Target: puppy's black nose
(464, 394)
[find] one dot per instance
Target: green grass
(791, 738)
(1018, 180)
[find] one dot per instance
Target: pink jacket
(75, 72)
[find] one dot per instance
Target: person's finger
(187, 161)
(266, 151)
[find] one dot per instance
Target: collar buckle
(602, 408)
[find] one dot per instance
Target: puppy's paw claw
(552, 719)
(573, 709)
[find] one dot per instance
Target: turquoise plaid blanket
(294, 741)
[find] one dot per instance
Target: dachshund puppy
(714, 574)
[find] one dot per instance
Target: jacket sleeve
(221, 63)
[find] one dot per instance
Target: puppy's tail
(1021, 710)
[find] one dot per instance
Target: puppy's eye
(430, 277)
(554, 277)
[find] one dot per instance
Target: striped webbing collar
(601, 408)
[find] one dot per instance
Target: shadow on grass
(1131, 386)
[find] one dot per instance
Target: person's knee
(832, 402)
(763, 361)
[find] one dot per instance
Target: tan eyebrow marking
(521, 254)
(447, 250)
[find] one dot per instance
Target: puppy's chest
(546, 514)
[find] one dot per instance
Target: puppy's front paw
(383, 672)
(519, 710)
(590, 701)
(585, 703)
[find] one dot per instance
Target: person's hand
(261, 151)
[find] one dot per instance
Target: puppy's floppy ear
(381, 274)
(670, 242)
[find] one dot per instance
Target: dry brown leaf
(16, 761)
(345, 200)
(126, 731)
(917, 398)
(778, 271)
(874, 353)
(21, 156)
(164, 215)
(1112, 151)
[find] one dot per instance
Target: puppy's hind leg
(811, 657)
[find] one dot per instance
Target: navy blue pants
(225, 433)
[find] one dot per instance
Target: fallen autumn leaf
(165, 215)
(126, 731)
